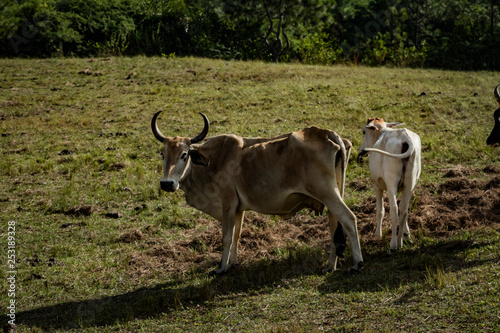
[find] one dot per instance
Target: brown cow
(228, 175)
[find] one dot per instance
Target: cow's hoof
(327, 270)
(407, 239)
(217, 272)
(393, 251)
(339, 250)
(357, 268)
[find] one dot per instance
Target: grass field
(100, 248)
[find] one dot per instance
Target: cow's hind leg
(343, 214)
(336, 242)
(396, 242)
(339, 240)
(380, 211)
(404, 229)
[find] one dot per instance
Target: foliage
(71, 27)
(9, 18)
(318, 49)
(457, 34)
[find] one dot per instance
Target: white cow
(395, 167)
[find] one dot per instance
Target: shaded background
(450, 34)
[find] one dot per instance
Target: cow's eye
(184, 156)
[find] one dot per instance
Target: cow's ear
(372, 127)
(198, 157)
(391, 125)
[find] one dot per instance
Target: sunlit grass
(77, 149)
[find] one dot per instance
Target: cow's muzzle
(168, 185)
(361, 155)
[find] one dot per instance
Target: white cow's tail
(401, 156)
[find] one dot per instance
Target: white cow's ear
(198, 157)
(372, 127)
(393, 124)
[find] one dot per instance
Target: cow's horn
(203, 133)
(156, 131)
(497, 93)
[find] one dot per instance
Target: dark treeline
(454, 34)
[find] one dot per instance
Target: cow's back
(288, 157)
(384, 167)
(267, 175)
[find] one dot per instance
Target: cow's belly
(261, 199)
(277, 204)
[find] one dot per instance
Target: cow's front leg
(228, 219)
(238, 221)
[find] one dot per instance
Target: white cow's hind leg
(380, 211)
(403, 215)
(393, 204)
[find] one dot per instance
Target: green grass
(75, 147)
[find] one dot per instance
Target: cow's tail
(343, 159)
(339, 237)
(406, 154)
(346, 151)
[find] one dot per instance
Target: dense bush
(69, 27)
(458, 34)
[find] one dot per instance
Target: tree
(276, 44)
(9, 18)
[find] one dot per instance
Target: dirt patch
(84, 210)
(461, 202)
(459, 171)
(260, 238)
(131, 236)
(87, 71)
(492, 169)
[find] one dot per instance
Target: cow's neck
(196, 193)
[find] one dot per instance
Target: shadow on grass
(382, 272)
